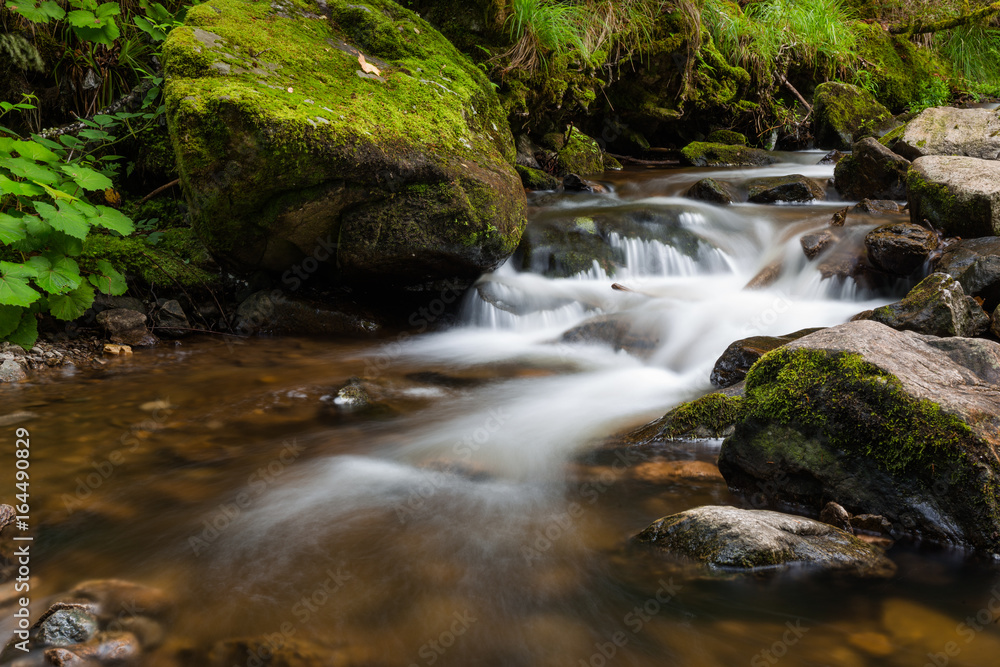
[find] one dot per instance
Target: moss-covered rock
(289, 147)
(703, 154)
(938, 306)
(890, 423)
(728, 137)
(732, 366)
(731, 538)
(178, 258)
(905, 75)
(871, 171)
(536, 179)
(959, 195)
(844, 113)
(711, 416)
(950, 131)
(581, 155)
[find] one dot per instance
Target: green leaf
(56, 277)
(11, 229)
(27, 169)
(108, 9)
(15, 270)
(110, 281)
(88, 179)
(35, 151)
(14, 289)
(70, 141)
(10, 317)
(26, 333)
(38, 229)
(21, 188)
(114, 220)
(73, 304)
(48, 143)
(104, 120)
(68, 219)
(93, 135)
(38, 13)
(65, 244)
(80, 18)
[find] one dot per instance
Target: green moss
(890, 138)
(935, 202)
(845, 113)
(536, 179)
(857, 407)
(713, 414)
(581, 155)
(727, 137)
(703, 154)
(904, 72)
(153, 265)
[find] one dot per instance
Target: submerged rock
(64, 627)
(397, 177)
(959, 195)
(715, 191)
(11, 371)
(900, 248)
(871, 171)
(842, 112)
(949, 131)
(814, 244)
(793, 188)
(703, 154)
(938, 306)
(732, 366)
(889, 423)
(622, 331)
(876, 206)
(727, 537)
(271, 312)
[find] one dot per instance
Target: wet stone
(66, 627)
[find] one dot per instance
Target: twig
(159, 190)
(201, 331)
(625, 159)
(789, 86)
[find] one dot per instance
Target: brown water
(462, 521)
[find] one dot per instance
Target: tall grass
(543, 29)
(974, 51)
(816, 34)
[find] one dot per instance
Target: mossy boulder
(732, 538)
(871, 171)
(792, 188)
(844, 113)
(958, 195)
(728, 137)
(581, 155)
(950, 131)
(938, 306)
(290, 147)
(704, 154)
(732, 366)
(536, 179)
(891, 423)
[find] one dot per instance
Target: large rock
(126, 327)
(293, 149)
(900, 248)
(703, 154)
(272, 312)
(728, 537)
(842, 112)
(975, 264)
(732, 366)
(959, 195)
(937, 306)
(885, 422)
(872, 171)
(715, 191)
(791, 188)
(949, 131)
(580, 155)
(711, 416)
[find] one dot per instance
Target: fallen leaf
(367, 66)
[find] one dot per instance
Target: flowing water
(462, 518)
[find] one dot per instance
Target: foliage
(818, 35)
(974, 51)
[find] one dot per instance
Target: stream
(462, 517)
